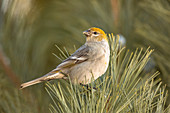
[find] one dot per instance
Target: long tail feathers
(32, 82)
(47, 77)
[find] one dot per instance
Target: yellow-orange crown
(101, 36)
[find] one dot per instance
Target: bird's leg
(87, 87)
(84, 85)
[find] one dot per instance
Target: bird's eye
(95, 33)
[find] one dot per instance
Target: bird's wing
(81, 55)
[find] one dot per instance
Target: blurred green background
(30, 29)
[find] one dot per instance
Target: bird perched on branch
(89, 61)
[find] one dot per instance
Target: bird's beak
(86, 33)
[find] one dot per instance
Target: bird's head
(95, 35)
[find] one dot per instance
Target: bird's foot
(87, 87)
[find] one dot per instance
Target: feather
(50, 76)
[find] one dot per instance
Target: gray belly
(87, 71)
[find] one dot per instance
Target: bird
(91, 60)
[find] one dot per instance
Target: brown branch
(11, 75)
(116, 11)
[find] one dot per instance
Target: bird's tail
(46, 77)
(32, 82)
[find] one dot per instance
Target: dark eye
(95, 33)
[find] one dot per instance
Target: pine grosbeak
(89, 61)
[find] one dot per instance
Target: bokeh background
(30, 29)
